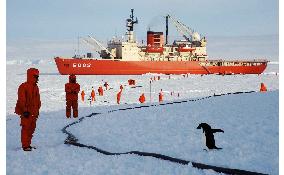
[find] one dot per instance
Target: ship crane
(185, 31)
(97, 45)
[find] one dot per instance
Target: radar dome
(195, 36)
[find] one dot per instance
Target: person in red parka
(28, 105)
(93, 95)
(161, 96)
(100, 91)
(83, 95)
(72, 89)
(142, 98)
(262, 88)
(118, 96)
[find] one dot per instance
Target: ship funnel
(155, 39)
(155, 42)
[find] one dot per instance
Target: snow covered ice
(250, 122)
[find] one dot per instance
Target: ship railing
(114, 42)
(231, 63)
(239, 60)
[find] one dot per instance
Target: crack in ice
(72, 140)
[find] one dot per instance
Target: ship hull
(68, 66)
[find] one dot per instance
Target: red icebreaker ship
(127, 57)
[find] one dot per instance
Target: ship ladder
(207, 70)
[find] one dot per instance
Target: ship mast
(130, 24)
(167, 29)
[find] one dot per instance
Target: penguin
(210, 141)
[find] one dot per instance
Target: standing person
(28, 105)
(262, 88)
(106, 85)
(101, 91)
(83, 95)
(142, 98)
(72, 89)
(118, 96)
(161, 96)
(93, 94)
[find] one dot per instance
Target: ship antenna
(130, 25)
(131, 20)
(167, 28)
(132, 14)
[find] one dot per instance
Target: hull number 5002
(81, 64)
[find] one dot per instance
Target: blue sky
(66, 19)
(41, 29)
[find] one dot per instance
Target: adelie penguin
(210, 141)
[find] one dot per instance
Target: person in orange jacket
(83, 95)
(262, 88)
(101, 91)
(93, 94)
(161, 96)
(27, 107)
(118, 96)
(72, 89)
(142, 98)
